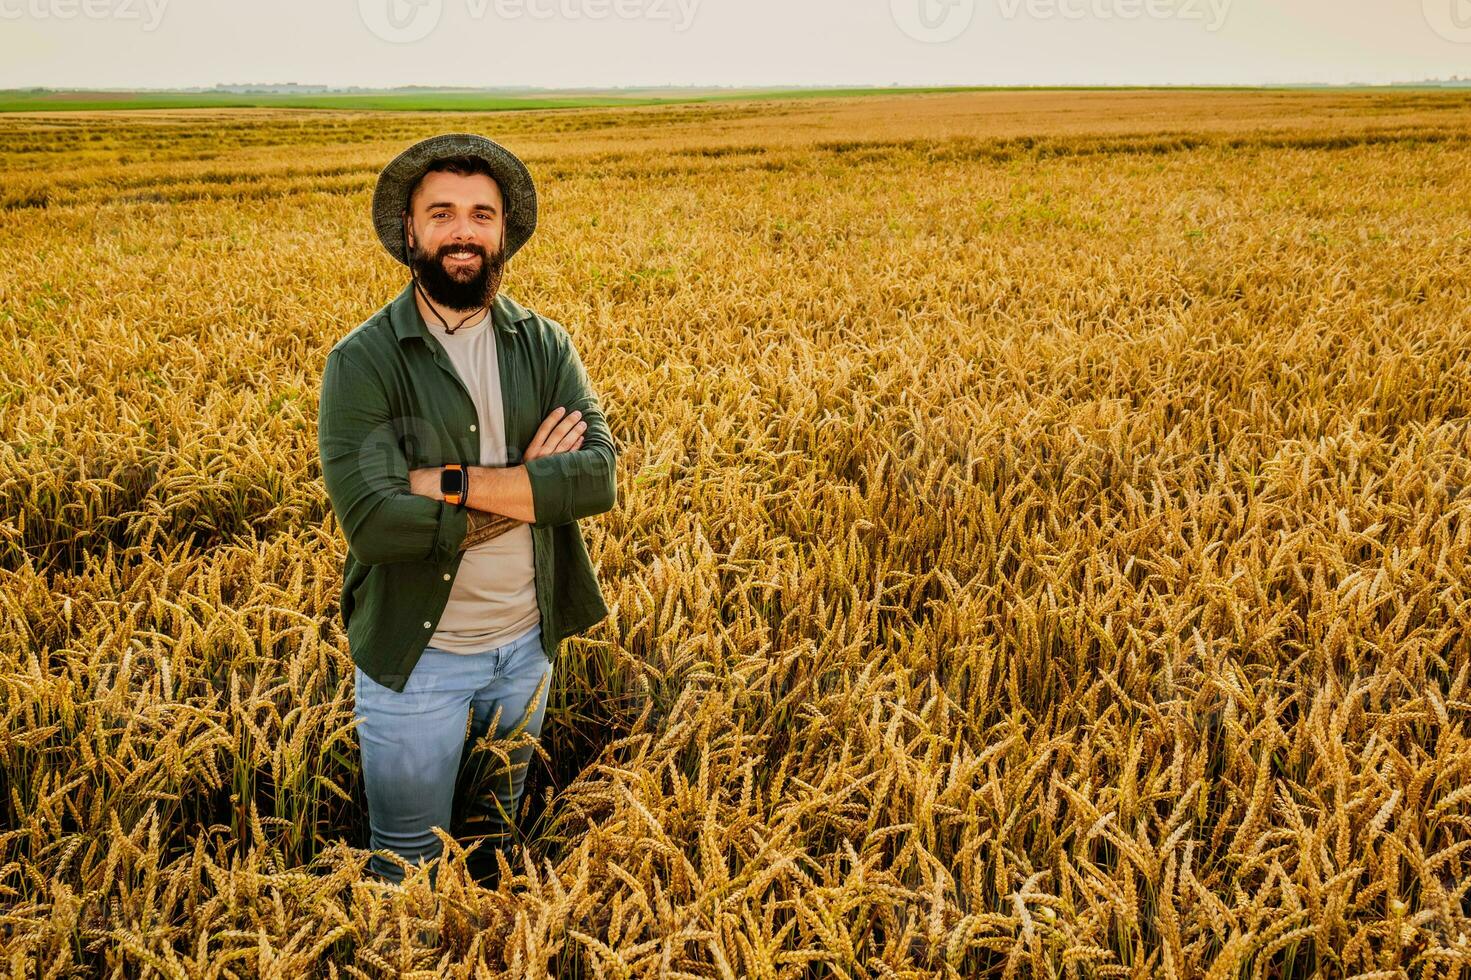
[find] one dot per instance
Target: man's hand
(560, 432)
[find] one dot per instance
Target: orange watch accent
(461, 483)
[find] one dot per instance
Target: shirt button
(472, 428)
(446, 576)
(427, 625)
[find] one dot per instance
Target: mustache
(475, 247)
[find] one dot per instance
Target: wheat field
(1041, 546)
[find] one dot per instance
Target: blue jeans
(412, 742)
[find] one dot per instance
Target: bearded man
(460, 442)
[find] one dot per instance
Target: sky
(605, 43)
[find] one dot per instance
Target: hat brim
(391, 195)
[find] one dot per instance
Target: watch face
(451, 481)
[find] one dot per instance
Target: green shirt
(391, 402)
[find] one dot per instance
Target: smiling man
(460, 443)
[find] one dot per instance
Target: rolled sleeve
(573, 485)
(453, 525)
(367, 475)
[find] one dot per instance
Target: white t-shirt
(493, 598)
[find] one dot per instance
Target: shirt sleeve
(367, 475)
(572, 485)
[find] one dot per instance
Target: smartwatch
(454, 483)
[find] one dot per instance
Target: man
(460, 443)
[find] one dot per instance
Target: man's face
(455, 229)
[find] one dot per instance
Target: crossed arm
(389, 513)
(501, 497)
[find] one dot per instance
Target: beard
(467, 289)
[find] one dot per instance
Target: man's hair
(463, 165)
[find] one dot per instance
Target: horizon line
(216, 86)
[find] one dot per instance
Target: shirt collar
(403, 313)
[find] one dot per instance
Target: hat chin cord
(419, 287)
